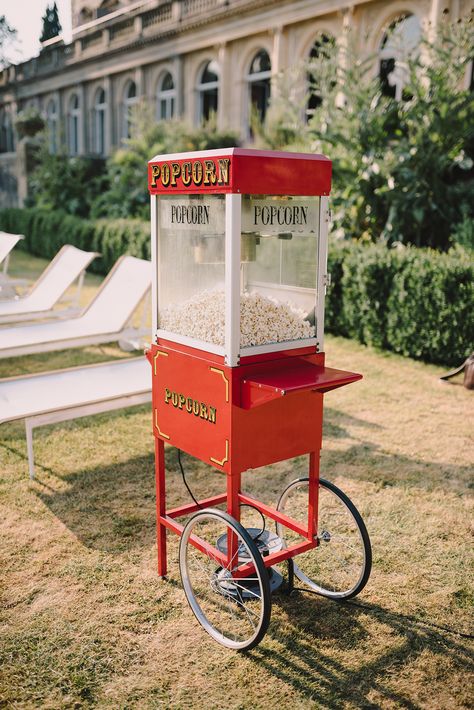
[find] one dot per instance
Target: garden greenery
(402, 170)
(416, 302)
(117, 188)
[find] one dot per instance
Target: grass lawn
(86, 622)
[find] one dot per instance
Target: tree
(7, 35)
(51, 25)
(403, 170)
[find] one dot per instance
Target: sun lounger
(68, 265)
(103, 321)
(7, 284)
(69, 394)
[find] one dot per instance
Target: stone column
(109, 115)
(225, 80)
(344, 47)
(178, 75)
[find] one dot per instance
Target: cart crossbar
(196, 541)
(274, 514)
(193, 507)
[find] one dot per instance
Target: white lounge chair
(68, 265)
(76, 392)
(103, 321)
(7, 284)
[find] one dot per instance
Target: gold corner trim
(221, 373)
(226, 457)
(158, 353)
(165, 436)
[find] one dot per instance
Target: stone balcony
(139, 23)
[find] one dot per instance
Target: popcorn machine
(239, 245)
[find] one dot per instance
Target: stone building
(189, 58)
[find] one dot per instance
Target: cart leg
(313, 488)
(233, 508)
(160, 505)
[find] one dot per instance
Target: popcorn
(262, 320)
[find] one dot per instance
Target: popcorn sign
(275, 216)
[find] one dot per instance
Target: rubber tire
(337, 596)
(259, 566)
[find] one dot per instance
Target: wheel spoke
(234, 611)
(340, 565)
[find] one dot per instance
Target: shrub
(29, 122)
(67, 184)
(430, 313)
(45, 232)
(416, 302)
(126, 192)
(403, 171)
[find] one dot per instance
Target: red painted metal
(301, 376)
(183, 510)
(255, 172)
(276, 557)
(160, 505)
(313, 493)
(267, 409)
(274, 514)
(198, 542)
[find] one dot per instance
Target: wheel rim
(339, 566)
(235, 612)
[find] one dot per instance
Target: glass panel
(261, 62)
(191, 268)
(210, 73)
(279, 267)
(167, 84)
(209, 100)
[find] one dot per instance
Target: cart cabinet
(239, 250)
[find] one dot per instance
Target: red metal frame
(233, 496)
(247, 171)
(267, 409)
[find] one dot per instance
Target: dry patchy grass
(85, 621)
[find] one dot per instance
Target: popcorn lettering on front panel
(262, 320)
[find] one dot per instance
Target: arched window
(74, 124)
(398, 44)
(130, 99)
(208, 90)
(100, 108)
(320, 50)
(258, 79)
(166, 97)
(52, 125)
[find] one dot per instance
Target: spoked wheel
(340, 565)
(234, 611)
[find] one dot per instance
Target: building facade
(188, 59)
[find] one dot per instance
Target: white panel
(233, 207)
(154, 262)
(322, 269)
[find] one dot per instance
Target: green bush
(125, 193)
(45, 232)
(62, 183)
(416, 302)
(431, 306)
(403, 171)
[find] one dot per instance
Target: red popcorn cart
(239, 251)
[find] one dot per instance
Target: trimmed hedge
(45, 232)
(416, 302)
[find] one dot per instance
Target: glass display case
(237, 273)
